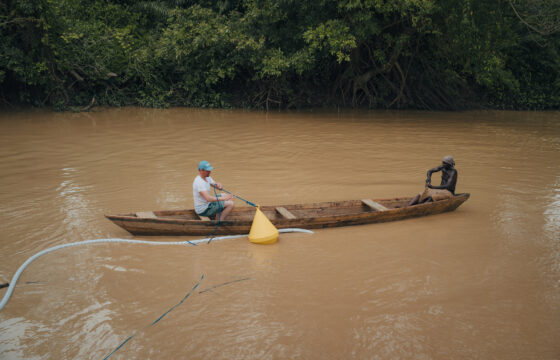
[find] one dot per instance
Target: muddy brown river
(482, 282)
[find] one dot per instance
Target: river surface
(482, 282)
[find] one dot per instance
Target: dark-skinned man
(447, 187)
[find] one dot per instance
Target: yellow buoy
(262, 230)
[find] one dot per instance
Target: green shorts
(213, 208)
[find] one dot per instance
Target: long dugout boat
(307, 216)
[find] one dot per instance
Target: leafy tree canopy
(421, 54)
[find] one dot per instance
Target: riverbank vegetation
(419, 54)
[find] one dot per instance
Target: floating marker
(262, 230)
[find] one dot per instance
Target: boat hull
(307, 216)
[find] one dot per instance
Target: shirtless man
(447, 186)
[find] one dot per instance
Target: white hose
(129, 241)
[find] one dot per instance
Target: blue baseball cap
(205, 165)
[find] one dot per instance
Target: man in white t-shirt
(206, 204)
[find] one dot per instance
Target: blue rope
(211, 235)
(239, 197)
(120, 346)
(223, 284)
(158, 319)
(180, 302)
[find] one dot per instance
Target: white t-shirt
(200, 204)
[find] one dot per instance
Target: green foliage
(333, 35)
(424, 54)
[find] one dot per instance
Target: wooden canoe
(306, 216)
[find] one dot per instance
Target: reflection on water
(552, 213)
(481, 282)
(75, 206)
(551, 241)
(13, 334)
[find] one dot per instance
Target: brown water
(482, 282)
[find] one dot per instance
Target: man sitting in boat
(447, 187)
(206, 204)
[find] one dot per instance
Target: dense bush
(424, 54)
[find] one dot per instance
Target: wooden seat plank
(285, 213)
(205, 218)
(146, 215)
(374, 205)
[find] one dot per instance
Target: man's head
(448, 160)
(204, 168)
(205, 165)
